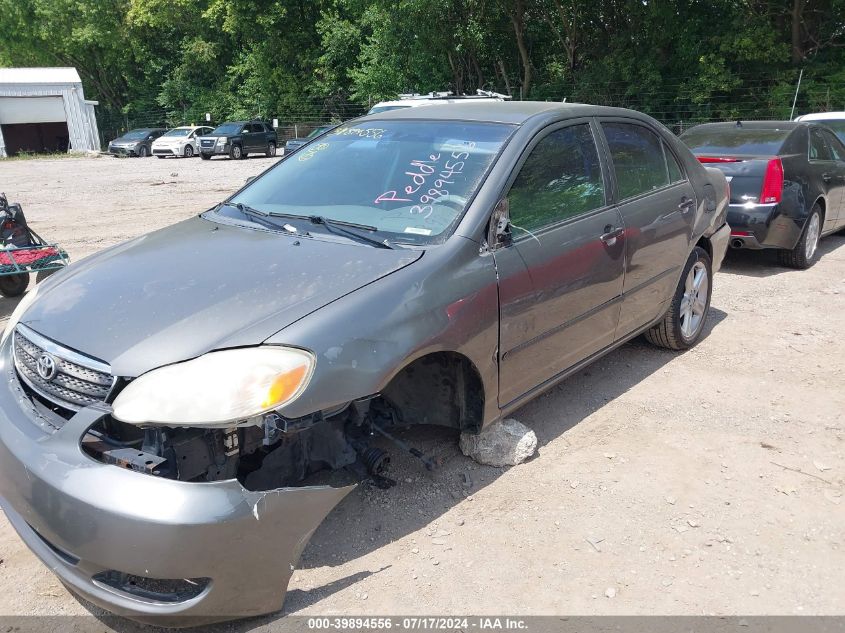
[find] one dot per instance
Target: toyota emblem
(46, 366)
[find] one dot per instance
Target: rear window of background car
(560, 179)
(638, 159)
(722, 141)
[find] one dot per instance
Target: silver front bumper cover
(83, 518)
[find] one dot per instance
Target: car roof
(513, 112)
(821, 116)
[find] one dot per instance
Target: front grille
(78, 381)
(207, 143)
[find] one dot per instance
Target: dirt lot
(695, 483)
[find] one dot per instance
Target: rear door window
(837, 149)
(560, 179)
(818, 145)
(638, 160)
(257, 128)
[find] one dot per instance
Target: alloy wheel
(694, 303)
(812, 240)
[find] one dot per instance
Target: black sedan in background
(787, 183)
(136, 142)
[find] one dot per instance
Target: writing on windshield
(405, 178)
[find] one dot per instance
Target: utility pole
(795, 100)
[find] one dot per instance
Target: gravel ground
(708, 482)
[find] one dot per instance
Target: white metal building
(44, 110)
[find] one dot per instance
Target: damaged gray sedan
(166, 403)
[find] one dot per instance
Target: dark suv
(238, 139)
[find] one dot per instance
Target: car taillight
(772, 182)
(718, 159)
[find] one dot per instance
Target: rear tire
(271, 149)
(189, 151)
(682, 325)
(804, 254)
(14, 285)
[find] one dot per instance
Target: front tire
(682, 325)
(236, 153)
(205, 156)
(13, 285)
(142, 153)
(804, 254)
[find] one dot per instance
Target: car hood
(126, 141)
(197, 286)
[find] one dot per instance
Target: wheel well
(442, 388)
(704, 243)
(822, 205)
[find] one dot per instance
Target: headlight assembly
(217, 389)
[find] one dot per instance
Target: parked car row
(235, 139)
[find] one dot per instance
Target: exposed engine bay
(267, 453)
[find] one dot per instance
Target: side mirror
(250, 179)
(499, 231)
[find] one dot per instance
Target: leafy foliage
(680, 60)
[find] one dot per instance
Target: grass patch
(49, 155)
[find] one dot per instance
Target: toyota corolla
(165, 403)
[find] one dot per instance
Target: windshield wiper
(245, 209)
(248, 210)
(333, 226)
(337, 226)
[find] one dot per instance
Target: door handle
(827, 177)
(686, 204)
(610, 235)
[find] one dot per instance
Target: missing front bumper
(96, 525)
